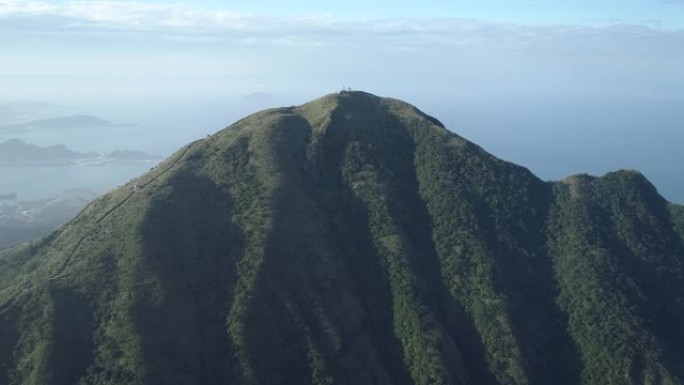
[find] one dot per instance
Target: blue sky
(536, 12)
(666, 13)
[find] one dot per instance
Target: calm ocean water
(42, 182)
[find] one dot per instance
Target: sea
(32, 183)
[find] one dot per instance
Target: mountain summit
(350, 240)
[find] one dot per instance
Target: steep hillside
(350, 240)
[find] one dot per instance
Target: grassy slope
(350, 240)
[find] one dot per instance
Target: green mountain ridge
(350, 240)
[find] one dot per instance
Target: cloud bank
(195, 24)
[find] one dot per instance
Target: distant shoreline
(86, 162)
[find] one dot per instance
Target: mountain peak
(360, 113)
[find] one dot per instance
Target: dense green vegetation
(351, 240)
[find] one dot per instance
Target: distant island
(17, 153)
(59, 123)
(130, 155)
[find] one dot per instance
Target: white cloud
(125, 14)
(185, 23)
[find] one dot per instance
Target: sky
(658, 12)
(482, 48)
(593, 73)
(526, 12)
